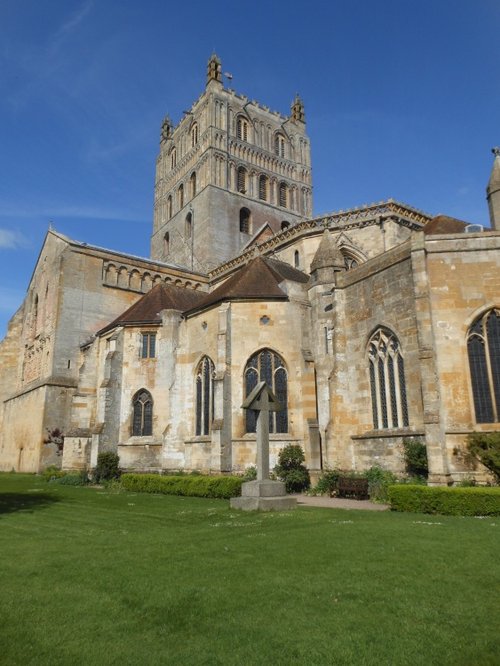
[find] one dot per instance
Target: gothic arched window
(241, 182)
(350, 262)
(192, 181)
(483, 345)
(188, 225)
(194, 135)
(180, 196)
(173, 158)
(142, 422)
(267, 366)
(242, 128)
(387, 381)
(263, 185)
(296, 259)
(169, 207)
(166, 243)
(205, 374)
(245, 220)
(279, 145)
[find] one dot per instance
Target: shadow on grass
(11, 502)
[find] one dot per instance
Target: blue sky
(402, 100)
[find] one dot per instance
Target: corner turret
(327, 262)
(166, 130)
(493, 191)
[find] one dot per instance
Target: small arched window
(241, 184)
(205, 375)
(245, 220)
(296, 259)
(267, 366)
(242, 128)
(194, 135)
(279, 145)
(263, 187)
(180, 196)
(142, 421)
(169, 207)
(173, 158)
(166, 243)
(387, 381)
(483, 346)
(34, 315)
(283, 195)
(192, 183)
(284, 225)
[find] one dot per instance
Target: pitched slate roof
(257, 280)
(147, 309)
(442, 224)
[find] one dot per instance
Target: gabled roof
(257, 280)
(148, 308)
(442, 224)
(263, 233)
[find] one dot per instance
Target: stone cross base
(264, 496)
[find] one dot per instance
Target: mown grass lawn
(90, 576)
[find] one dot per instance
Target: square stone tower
(230, 168)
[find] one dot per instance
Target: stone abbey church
(370, 325)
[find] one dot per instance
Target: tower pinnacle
(214, 69)
(298, 113)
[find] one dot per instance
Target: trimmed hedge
(444, 500)
(222, 487)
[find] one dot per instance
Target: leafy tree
(485, 448)
(291, 470)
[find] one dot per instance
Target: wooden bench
(353, 488)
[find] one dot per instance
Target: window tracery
(387, 381)
(483, 346)
(205, 375)
(142, 420)
(268, 366)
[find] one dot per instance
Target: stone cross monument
(263, 494)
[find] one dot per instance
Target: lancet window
(242, 129)
(483, 345)
(387, 381)
(269, 367)
(205, 375)
(263, 188)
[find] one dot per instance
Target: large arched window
(267, 366)
(483, 344)
(142, 422)
(245, 220)
(205, 374)
(387, 381)
(241, 183)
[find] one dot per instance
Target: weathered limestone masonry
(228, 168)
(369, 325)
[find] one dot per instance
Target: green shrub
(107, 468)
(444, 500)
(415, 456)
(222, 487)
(485, 447)
(52, 473)
(250, 474)
(379, 481)
(291, 470)
(79, 479)
(327, 482)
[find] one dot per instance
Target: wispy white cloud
(12, 240)
(69, 26)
